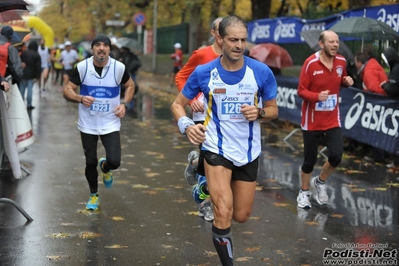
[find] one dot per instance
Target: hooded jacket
(390, 56)
(31, 58)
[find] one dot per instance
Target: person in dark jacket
(132, 64)
(391, 58)
(31, 71)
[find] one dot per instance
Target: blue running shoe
(108, 179)
(93, 202)
(199, 193)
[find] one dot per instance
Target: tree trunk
(261, 8)
(359, 3)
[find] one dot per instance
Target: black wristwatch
(125, 104)
(261, 113)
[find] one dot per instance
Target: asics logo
(317, 72)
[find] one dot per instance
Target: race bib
(327, 105)
(229, 107)
(100, 107)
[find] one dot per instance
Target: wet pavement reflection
(149, 217)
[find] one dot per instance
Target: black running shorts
(248, 172)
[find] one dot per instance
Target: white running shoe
(303, 199)
(321, 195)
(190, 171)
(205, 210)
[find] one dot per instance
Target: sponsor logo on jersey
(219, 91)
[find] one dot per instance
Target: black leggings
(332, 138)
(58, 73)
(112, 145)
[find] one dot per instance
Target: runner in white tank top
(100, 110)
(44, 53)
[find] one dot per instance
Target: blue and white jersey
(100, 118)
(228, 133)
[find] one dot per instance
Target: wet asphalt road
(149, 218)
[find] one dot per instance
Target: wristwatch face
(262, 113)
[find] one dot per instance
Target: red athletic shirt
(373, 75)
(198, 57)
(314, 78)
(178, 58)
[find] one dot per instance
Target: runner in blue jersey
(239, 92)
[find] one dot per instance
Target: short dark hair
(215, 22)
(228, 21)
(368, 49)
(362, 57)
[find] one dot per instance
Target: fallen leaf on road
(278, 204)
(151, 192)
(115, 246)
(59, 235)
(89, 235)
(252, 249)
(244, 259)
(139, 186)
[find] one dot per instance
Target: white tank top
(100, 118)
(44, 56)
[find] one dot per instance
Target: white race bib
(100, 107)
(327, 105)
(229, 107)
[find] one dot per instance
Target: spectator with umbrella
(372, 75)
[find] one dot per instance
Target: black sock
(222, 240)
(319, 181)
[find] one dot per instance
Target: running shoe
(205, 211)
(190, 171)
(200, 193)
(108, 178)
(303, 199)
(93, 202)
(390, 165)
(321, 195)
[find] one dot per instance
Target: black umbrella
(6, 5)
(365, 28)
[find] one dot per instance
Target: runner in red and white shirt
(320, 81)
